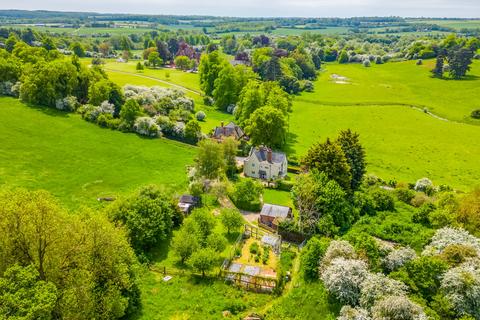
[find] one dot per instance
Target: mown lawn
(78, 161)
(185, 79)
(400, 83)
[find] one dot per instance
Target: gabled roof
(186, 198)
(229, 130)
(262, 154)
(272, 210)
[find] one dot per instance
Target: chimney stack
(269, 155)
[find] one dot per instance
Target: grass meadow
(401, 142)
(400, 83)
(78, 161)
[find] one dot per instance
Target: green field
(78, 161)
(452, 23)
(401, 142)
(401, 83)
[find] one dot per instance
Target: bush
(364, 203)
(338, 249)
(376, 286)
(475, 114)
(146, 126)
(254, 248)
(266, 254)
(448, 236)
(405, 195)
(69, 103)
(383, 200)
(349, 313)
(311, 256)
(366, 63)
(422, 214)
(307, 86)
(193, 131)
(441, 218)
(200, 116)
(285, 185)
(423, 184)
(246, 195)
(462, 288)
(343, 279)
(398, 258)
(397, 308)
(420, 199)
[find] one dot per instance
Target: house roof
(272, 210)
(262, 152)
(186, 198)
(230, 129)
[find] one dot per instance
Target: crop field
(456, 24)
(78, 161)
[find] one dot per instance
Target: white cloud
(264, 8)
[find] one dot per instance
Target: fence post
(164, 270)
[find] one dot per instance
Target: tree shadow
(292, 140)
(468, 77)
(160, 252)
(49, 111)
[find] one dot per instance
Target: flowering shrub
(423, 184)
(6, 88)
(447, 236)
(377, 286)
(200, 115)
(397, 308)
(163, 99)
(147, 127)
(461, 286)
(349, 313)
(338, 249)
(69, 103)
(165, 124)
(398, 257)
(179, 130)
(343, 278)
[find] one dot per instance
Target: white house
(263, 163)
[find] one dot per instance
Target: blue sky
(262, 8)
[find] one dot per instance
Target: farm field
(452, 23)
(78, 161)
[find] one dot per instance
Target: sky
(262, 8)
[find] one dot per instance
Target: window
(253, 172)
(253, 165)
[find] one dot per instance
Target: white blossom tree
(146, 126)
(398, 257)
(461, 286)
(397, 308)
(349, 313)
(338, 249)
(343, 279)
(448, 236)
(376, 286)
